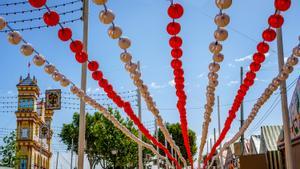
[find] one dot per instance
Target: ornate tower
(34, 132)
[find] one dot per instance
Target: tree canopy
(102, 139)
(8, 150)
(176, 132)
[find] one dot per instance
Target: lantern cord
(39, 18)
(14, 3)
(40, 9)
(41, 26)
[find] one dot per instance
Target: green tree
(8, 150)
(175, 131)
(103, 139)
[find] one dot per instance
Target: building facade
(34, 134)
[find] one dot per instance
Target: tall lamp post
(114, 152)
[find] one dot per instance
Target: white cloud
(242, 59)
(201, 75)
(233, 82)
(231, 65)
(261, 80)
(285, 59)
(171, 83)
(157, 86)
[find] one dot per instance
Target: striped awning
(269, 138)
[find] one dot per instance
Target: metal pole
(81, 138)
(72, 149)
(157, 149)
(166, 145)
(139, 103)
(242, 115)
(57, 156)
(172, 153)
(214, 135)
(219, 128)
(284, 107)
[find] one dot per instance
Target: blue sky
(144, 21)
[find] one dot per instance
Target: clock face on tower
(26, 104)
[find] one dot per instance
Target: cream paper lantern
(212, 76)
(213, 83)
(138, 82)
(39, 60)
(50, 69)
(114, 32)
(106, 16)
(64, 82)
(272, 87)
(210, 89)
(215, 47)
(130, 67)
(296, 51)
(14, 37)
(74, 89)
(80, 94)
(218, 57)
(124, 43)
(99, 2)
(214, 67)
(26, 49)
(2, 23)
(292, 61)
(135, 75)
(283, 76)
(287, 69)
(125, 57)
(222, 20)
(223, 4)
(221, 34)
(56, 76)
(276, 82)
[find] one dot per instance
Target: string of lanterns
(175, 11)
(275, 21)
(51, 18)
(106, 17)
(50, 69)
(220, 35)
(272, 87)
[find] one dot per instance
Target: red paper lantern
(259, 57)
(250, 75)
(244, 87)
(176, 63)
(173, 28)
(81, 57)
(37, 3)
(179, 80)
(263, 47)
(65, 34)
(179, 86)
(175, 42)
(178, 72)
(248, 82)
(76, 46)
(176, 53)
(282, 5)
(97, 75)
(276, 21)
(51, 18)
(175, 11)
(103, 83)
(241, 92)
(254, 67)
(269, 35)
(108, 88)
(93, 65)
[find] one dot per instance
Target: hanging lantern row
(175, 11)
(220, 35)
(50, 69)
(106, 17)
(51, 18)
(39, 60)
(287, 69)
(275, 21)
